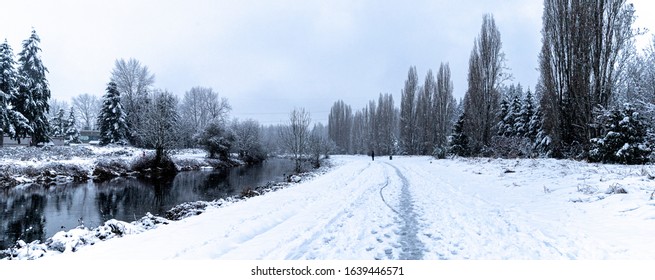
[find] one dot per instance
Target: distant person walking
(373, 155)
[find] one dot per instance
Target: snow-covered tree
(71, 132)
(582, 60)
(340, 122)
(459, 142)
(485, 76)
(33, 91)
(386, 120)
(516, 121)
(624, 139)
(58, 124)
(248, 141)
(425, 116)
(159, 124)
(199, 107)
(11, 120)
(318, 143)
(504, 113)
(444, 107)
(359, 140)
(295, 135)
(134, 82)
(524, 117)
(217, 140)
(111, 120)
(408, 113)
(87, 107)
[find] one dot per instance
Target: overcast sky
(268, 57)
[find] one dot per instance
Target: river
(37, 213)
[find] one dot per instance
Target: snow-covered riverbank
(23, 166)
(419, 208)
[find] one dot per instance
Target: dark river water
(37, 213)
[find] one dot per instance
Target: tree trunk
(159, 152)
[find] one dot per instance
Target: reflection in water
(37, 213)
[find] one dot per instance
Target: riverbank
(239, 183)
(27, 166)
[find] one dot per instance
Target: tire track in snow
(328, 228)
(411, 246)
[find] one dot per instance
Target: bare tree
(160, 123)
(387, 122)
(202, 106)
(87, 107)
(584, 50)
(56, 105)
(444, 109)
(485, 76)
(425, 115)
(408, 113)
(134, 82)
(340, 123)
(319, 143)
(248, 140)
(296, 134)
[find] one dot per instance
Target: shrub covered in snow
(217, 140)
(624, 139)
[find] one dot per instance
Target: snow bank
(61, 164)
(74, 239)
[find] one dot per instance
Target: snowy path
(407, 208)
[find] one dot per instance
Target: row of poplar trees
(584, 65)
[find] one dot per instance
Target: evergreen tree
(111, 120)
(538, 134)
(459, 142)
(624, 138)
(11, 121)
(525, 117)
(516, 117)
(72, 134)
(58, 124)
(504, 113)
(33, 91)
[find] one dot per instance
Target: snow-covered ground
(419, 208)
(23, 166)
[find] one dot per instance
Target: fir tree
(459, 142)
(534, 126)
(33, 91)
(58, 124)
(516, 121)
(525, 117)
(72, 134)
(624, 140)
(10, 120)
(504, 112)
(111, 120)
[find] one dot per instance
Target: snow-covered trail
(338, 215)
(406, 208)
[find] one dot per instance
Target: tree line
(593, 100)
